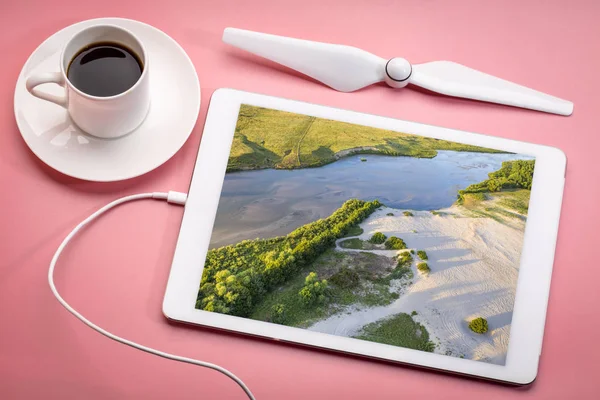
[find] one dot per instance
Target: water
(268, 203)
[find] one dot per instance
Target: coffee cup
(104, 73)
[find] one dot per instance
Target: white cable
(171, 197)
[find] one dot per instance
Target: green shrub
(345, 278)
(412, 251)
(378, 238)
(278, 314)
(479, 325)
(414, 313)
(408, 214)
(363, 159)
(390, 214)
(395, 243)
(314, 291)
(405, 259)
(422, 255)
(423, 267)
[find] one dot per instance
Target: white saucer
(50, 134)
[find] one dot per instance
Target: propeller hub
(397, 72)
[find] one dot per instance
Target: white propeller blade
(456, 80)
(344, 68)
(347, 68)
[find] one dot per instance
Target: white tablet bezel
(537, 257)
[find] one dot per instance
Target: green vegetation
(354, 231)
(390, 214)
(517, 200)
(341, 269)
(405, 259)
(237, 276)
(408, 214)
(440, 213)
(502, 197)
(512, 175)
(479, 325)
(399, 330)
(412, 251)
(314, 291)
(423, 268)
(401, 270)
(378, 238)
(278, 314)
(266, 138)
(422, 255)
(395, 243)
(345, 278)
(356, 244)
(412, 314)
(363, 159)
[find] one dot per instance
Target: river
(267, 203)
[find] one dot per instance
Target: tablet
(368, 235)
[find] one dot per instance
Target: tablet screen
(367, 233)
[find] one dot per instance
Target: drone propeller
(347, 68)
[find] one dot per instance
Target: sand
(474, 266)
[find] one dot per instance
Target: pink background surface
(44, 352)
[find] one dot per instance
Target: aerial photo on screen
(368, 233)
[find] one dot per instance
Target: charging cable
(171, 197)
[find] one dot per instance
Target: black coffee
(104, 69)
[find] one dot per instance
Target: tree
(512, 174)
(313, 291)
(278, 314)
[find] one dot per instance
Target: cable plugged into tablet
(173, 198)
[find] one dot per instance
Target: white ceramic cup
(105, 117)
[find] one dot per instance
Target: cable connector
(176, 198)
(171, 197)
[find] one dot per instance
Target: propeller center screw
(397, 72)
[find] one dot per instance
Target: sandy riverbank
(474, 266)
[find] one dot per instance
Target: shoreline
(355, 151)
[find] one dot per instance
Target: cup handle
(47, 77)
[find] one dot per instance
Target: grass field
(501, 206)
(517, 200)
(399, 330)
(266, 138)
